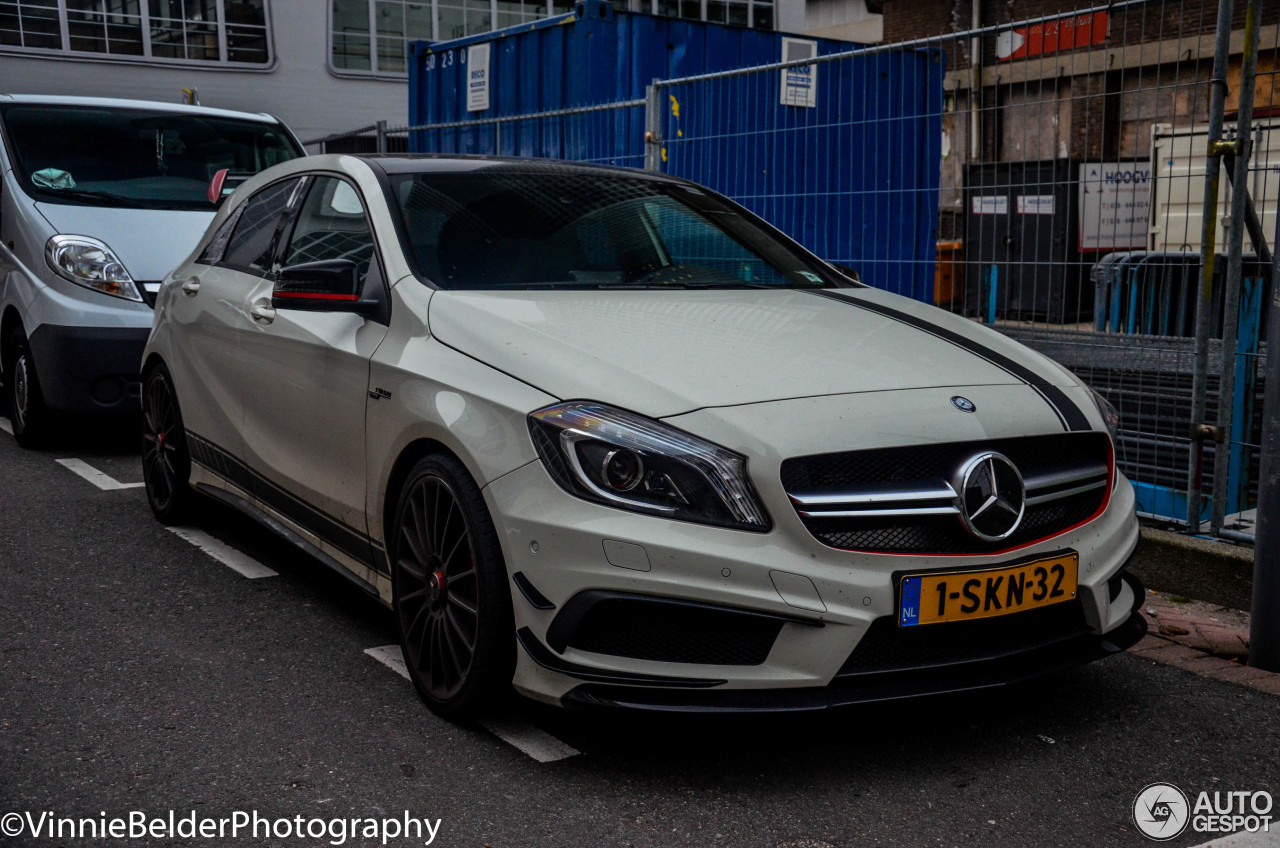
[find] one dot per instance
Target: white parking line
(238, 562)
(392, 657)
(539, 744)
(5, 425)
(103, 481)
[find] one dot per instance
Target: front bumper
(89, 369)
(815, 605)
(1001, 668)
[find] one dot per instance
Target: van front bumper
(89, 369)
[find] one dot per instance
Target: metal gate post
(1264, 622)
(382, 136)
(653, 127)
(1240, 149)
(1208, 242)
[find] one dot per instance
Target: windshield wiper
(103, 198)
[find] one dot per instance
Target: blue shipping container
(854, 177)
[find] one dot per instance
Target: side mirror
(222, 184)
(332, 285)
(215, 187)
(846, 271)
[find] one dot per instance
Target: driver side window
(332, 225)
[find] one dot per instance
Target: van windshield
(541, 226)
(134, 158)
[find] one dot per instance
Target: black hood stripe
(1068, 413)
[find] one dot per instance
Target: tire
(30, 418)
(166, 459)
(450, 592)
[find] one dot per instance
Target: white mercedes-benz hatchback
(608, 437)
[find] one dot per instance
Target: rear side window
(253, 242)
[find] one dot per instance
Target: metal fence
(1070, 180)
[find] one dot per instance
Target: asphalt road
(137, 672)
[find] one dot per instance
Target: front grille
(887, 647)
(903, 500)
(668, 632)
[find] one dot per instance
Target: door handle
(262, 312)
(191, 286)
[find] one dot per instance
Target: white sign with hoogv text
(991, 204)
(1115, 205)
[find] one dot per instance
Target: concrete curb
(1206, 639)
(1209, 547)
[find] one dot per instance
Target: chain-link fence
(1048, 177)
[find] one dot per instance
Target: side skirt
(360, 574)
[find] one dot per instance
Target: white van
(99, 200)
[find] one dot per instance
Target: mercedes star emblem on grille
(992, 496)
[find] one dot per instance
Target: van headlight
(90, 263)
(621, 459)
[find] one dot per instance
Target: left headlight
(1110, 415)
(621, 459)
(90, 263)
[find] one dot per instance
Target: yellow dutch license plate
(967, 595)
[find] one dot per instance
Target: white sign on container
(1035, 204)
(477, 77)
(799, 83)
(991, 204)
(1115, 205)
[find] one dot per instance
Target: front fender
(428, 392)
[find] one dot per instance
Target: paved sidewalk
(1210, 640)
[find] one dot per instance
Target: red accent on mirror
(317, 295)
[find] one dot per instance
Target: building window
(733, 12)
(373, 36)
(205, 31)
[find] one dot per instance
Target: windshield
(134, 158)
(517, 228)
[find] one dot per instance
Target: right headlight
(90, 263)
(620, 459)
(1110, 415)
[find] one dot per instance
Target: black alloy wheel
(166, 462)
(450, 595)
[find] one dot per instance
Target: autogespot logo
(1161, 811)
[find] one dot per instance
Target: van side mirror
(215, 187)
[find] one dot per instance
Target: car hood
(149, 242)
(663, 353)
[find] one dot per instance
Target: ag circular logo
(1161, 811)
(992, 496)
(963, 404)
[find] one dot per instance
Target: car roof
(428, 163)
(122, 103)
